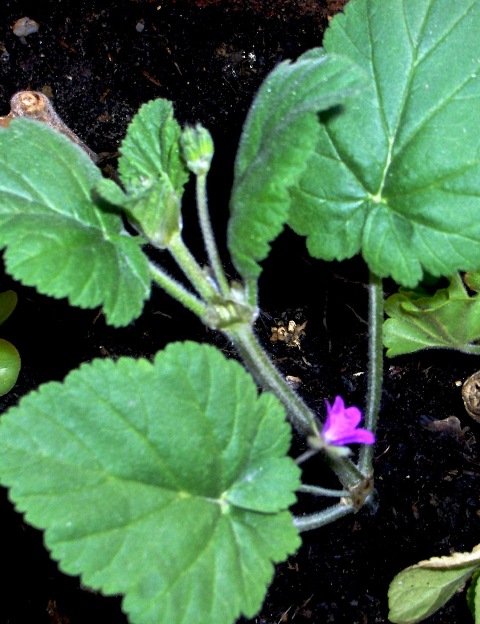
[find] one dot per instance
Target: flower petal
(341, 425)
(359, 436)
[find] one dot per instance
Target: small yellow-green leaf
(8, 303)
(473, 596)
(420, 590)
(450, 319)
(10, 365)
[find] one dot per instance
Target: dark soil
(209, 57)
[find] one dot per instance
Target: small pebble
(24, 27)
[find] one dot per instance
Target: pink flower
(341, 425)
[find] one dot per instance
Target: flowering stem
(375, 366)
(208, 236)
(269, 378)
(220, 307)
(349, 475)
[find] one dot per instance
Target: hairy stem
(326, 516)
(208, 236)
(375, 366)
(268, 377)
(315, 490)
(177, 291)
(198, 278)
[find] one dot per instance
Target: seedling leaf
(448, 319)
(278, 135)
(166, 481)
(57, 239)
(397, 175)
(420, 590)
(151, 148)
(152, 171)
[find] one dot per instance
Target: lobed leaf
(278, 135)
(152, 171)
(397, 174)
(57, 239)
(166, 481)
(151, 148)
(448, 319)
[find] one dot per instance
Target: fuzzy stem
(192, 270)
(349, 474)
(269, 378)
(319, 491)
(375, 366)
(177, 291)
(208, 236)
(251, 289)
(326, 516)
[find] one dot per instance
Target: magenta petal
(359, 436)
(341, 425)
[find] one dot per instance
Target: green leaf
(472, 280)
(397, 174)
(152, 171)
(473, 597)
(8, 303)
(167, 482)
(10, 365)
(420, 590)
(448, 319)
(278, 136)
(151, 148)
(57, 239)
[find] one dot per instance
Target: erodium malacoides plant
(170, 481)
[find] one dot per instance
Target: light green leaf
(57, 239)
(420, 590)
(448, 319)
(151, 148)
(152, 171)
(397, 174)
(278, 136)
(10, 365)
(167, 482)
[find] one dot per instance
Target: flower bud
(197, 148)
